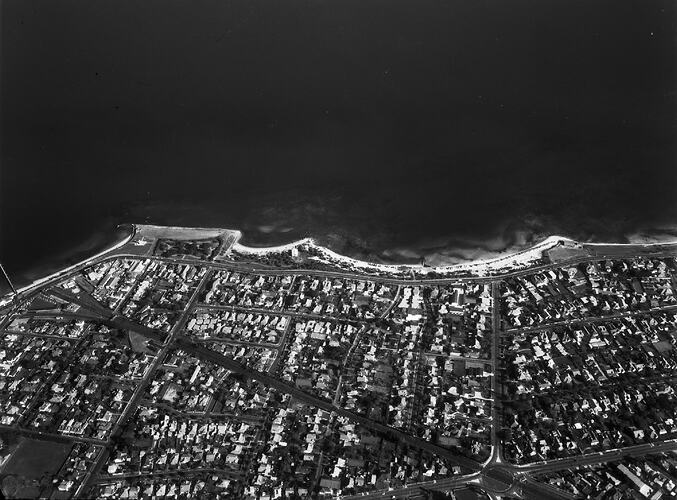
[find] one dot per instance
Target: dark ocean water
(384, 128)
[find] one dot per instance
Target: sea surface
(386, 129)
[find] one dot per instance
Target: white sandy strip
(522, 258)
(514, 260)
(330, 255)
(653, 244)
(327, 255)
(181, 233)
(238, 247)
(61, 272)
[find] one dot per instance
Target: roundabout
(497, 479)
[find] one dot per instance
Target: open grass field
(31, 466)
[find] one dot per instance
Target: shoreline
(8, 297)
(519, 259)
(523, 256)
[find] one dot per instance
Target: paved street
(591, 319)
(495, 475)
